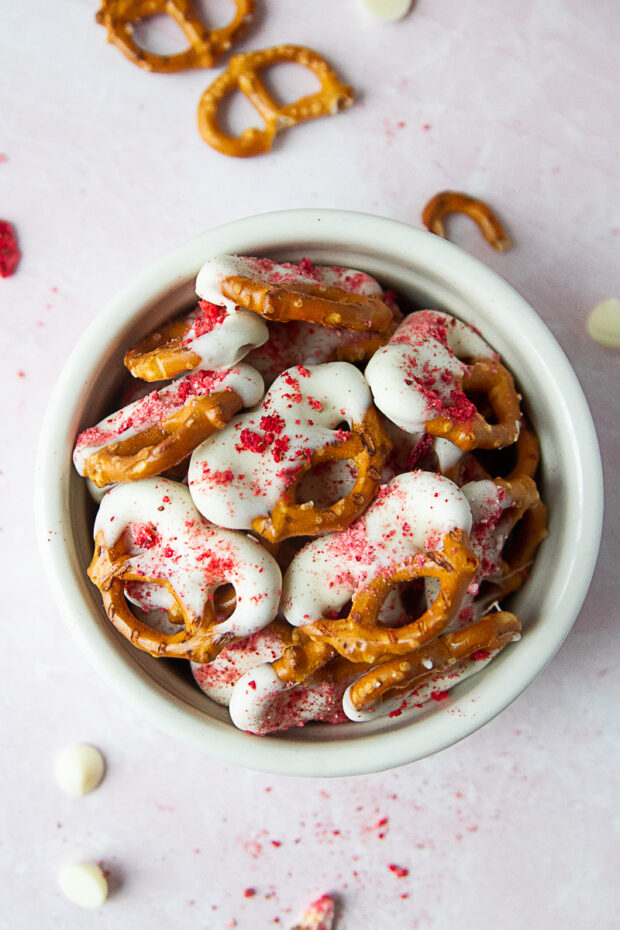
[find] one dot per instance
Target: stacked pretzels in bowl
(323, 505)
(346, 571)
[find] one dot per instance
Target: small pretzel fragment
(490, 634)
(447, 202)
(242, 74)
(312, 303)
(206, 45)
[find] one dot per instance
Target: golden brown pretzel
(526, 520)
(162, 354)
(489, 634)
(489, 377)
(310, 303)
(359, 636)
(368, 446)
(206, 45)
(446, 202)
(199, 641)
(242, 74)
(158, 448)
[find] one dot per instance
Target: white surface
(104, 171)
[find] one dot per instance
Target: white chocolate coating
(261, 703)
(217, 678)
(79, 768)
(157, 406)
(414, 377)
(241, 472)
(84, 884)
(411, 514)
(215, 269)
(168, 539)
(231, 336)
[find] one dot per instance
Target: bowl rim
(288, 230)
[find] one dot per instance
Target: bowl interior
(424, 272)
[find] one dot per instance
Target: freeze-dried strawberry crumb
(144, 535)
(272, 423)
(439, 695)
(480, 655)
(398, 870)
(9, 250)
(209, 316)
(251, 441)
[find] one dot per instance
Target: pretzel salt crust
(447, 202)
(209, 337)
(151, 533)
(161, 429)
(206, 45)
(242, 74)
(419, 381)
(247, 476)
(416, 528)
(407, 672)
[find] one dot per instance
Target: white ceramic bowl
(431, 273)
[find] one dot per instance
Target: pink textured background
(517, 103)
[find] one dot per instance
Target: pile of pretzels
(316, 501)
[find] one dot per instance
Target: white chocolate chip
(83, 884)
(79, 769)
(604, 323)
(427, 663)
(389, 10)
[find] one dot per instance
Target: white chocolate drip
(168, 540)
(412, 513)
(241, 472)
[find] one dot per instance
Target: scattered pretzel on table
(447, 202)
(206, 45)
(152, 534)
(242, 74)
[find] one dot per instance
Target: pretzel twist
(359, 636)
(163, 445)
(242, 74)
(489, 634)
(206, 45)
(368, 447)
(447, 202)
(199, 641)
(311, 303)
(487, 376)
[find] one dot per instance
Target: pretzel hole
(160, 35)
(236, 114)
(215, 13)
(481, 402)
(327, 482)
(287, 81)
(498, 462)
(404, 604)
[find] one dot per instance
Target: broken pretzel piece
(447, 202)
